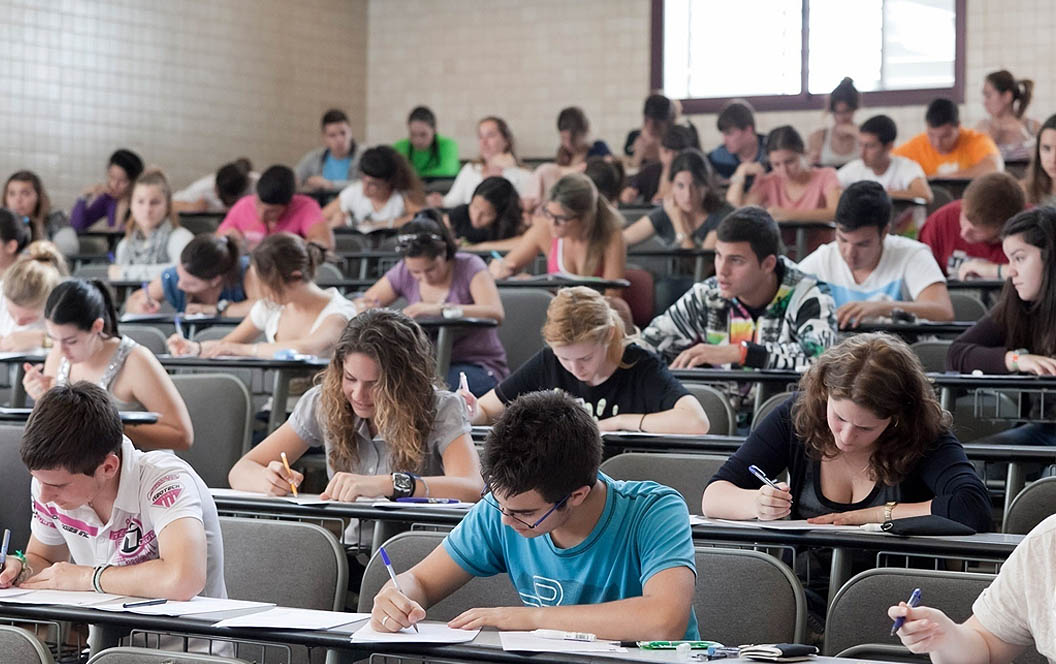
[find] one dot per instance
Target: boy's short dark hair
(736, 115)
(277, 185)
(544, 441)
(941, 112)
(754, 225)
(882, 127)
(862, 204)
(231, 182)
(333, 116)
(72, 427)
(992, 199)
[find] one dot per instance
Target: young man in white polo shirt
(130, 522)
(870, 272)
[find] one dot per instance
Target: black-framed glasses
(558, 219)
(494, 503)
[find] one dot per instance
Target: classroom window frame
(805, 100)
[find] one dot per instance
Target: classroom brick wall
(188, 84)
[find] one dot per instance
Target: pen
(392, 574)
(3, 547)
(562, 635)
(496, 255)
(754, 470)
(913, 602)
(146, 602)
(463, 383)
(146, 291)
(178, 326)
(286, 463)
(432, 501)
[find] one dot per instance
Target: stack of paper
(282, 617)
(303, 499)
(188, 608)
(56, 597)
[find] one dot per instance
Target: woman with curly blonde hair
(863, 441)
(388, 428)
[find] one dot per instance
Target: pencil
(286, 462)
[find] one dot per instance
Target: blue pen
(3, 547)
(496, 255)
(754, 470)
(432, 501)
(913, 602)
(178, 326)
(392, 574)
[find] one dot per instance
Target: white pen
(755, 470)
(392, 575)
(564, 636)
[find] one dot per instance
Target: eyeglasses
(493, 503)
(405, 241)
(558, 219)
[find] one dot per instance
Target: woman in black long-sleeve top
(1019, 335)
(864, 441)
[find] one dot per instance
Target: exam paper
(303, 499)
(431, 632)
(396, 505)
(780, 524)
(61, 597)
(529, 642)
(282, 617)
(188, 608)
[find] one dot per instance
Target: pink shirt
(300, 216)
(773, 191)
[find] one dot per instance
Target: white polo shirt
(155, 489)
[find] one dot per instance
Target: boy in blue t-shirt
(586, 553)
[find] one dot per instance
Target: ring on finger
(384, 620)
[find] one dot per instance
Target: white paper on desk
(431, 632)
(529, 642)
(11, 592)
(11, 353)
(787, 524)
(303, 499)
(62, 598)
(396, 505)
(282, 617)
(188, 608)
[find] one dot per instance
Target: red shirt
(942, 232)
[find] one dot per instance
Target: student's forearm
(466, 489)
(159, 436)
(735, 194)
(633, 619)
(935, 311)
(724, 500)
(482, 311)
(674, 420)
(238, 309)
(817, 214)
(153, 578)
(248, 475)
(963, 646)
(496, 245)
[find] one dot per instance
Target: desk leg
(840, 571)
(384, 531)
(18, 392)
(946, 399)
(445, 339)
(279, 392)
(1013, 485)
(801, 243)
(698, 268)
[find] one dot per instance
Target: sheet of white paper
(62, 598)
(9, 354)
(528, 642)
(11, 592)
(282, 617)
(190, 607)
(303, 499)
(786, 524)
(431, 632)
(395, 505)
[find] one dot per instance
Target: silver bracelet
(97, 577)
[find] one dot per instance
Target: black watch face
(402, 483)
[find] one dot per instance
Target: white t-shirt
(360, 210)
(1019, 607)
(155, 489)
(265, 314)
(204, 188)
(905, 269)
(898, 176)
(7, 322)
(472, 175)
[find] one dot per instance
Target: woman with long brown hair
(388, 427)
(864, 441)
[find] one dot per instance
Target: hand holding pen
(393, 610)
(773, 500)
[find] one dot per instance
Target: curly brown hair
(881, 373)
(404, 396)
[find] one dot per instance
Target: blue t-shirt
(643, 529)
(725, 163)
(336, 170)
(178, 299)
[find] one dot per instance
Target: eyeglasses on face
(484, 496)
(558, 219)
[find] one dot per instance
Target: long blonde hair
(581, 315)
(30, 280)
(152, 177)
(404, 395)
(601, 222)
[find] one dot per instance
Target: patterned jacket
(796, 327)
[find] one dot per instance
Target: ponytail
(208, 256)
(1021, 99)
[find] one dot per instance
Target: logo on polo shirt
(547, 592)
(166, 491)
(132, 544)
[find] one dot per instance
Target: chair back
(221, 441)
(967, 307)
(521, 332)
(147, 336)
(769, 406)
(16, 508)
(687, 474)
(1031, 506)
(327, 272)
(406, 550)
(21, 647)
(745, 596)
(932, 354)
(92, 270)
(717, 407)
(152, 656)
(303, 564)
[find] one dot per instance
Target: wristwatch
(222, 306)
(888, 510)
(402, 485)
